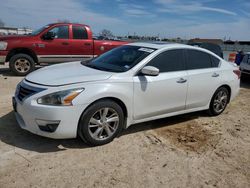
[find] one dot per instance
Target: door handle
(181, 80)
(87, 44)
(215, 75)
(65, 43)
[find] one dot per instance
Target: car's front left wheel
(101, 122)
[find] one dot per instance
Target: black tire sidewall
(14, 58)
(87, 114)
(211, 106)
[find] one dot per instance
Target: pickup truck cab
(53, 43)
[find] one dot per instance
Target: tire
(94, 128)
(219, 101)
(21, 64)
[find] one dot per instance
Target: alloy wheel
(103, 124)
(220, 101)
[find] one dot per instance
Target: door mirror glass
(49, 35)
(150, 71)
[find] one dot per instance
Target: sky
(224, 19)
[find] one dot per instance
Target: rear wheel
(219, 101)
(21, 64)
(101, 123)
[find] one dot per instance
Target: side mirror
(150, 71)
(49, 35)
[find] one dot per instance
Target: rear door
(81, 45)
(165, 93)
(204, 77)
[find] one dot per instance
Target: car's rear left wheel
(101, 123)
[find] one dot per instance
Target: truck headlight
(61, 98)
(3, 45)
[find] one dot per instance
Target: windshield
(120, 59)
(36, 32)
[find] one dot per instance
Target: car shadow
(12, 134)
(164, 122)
(245, 81)
(7, 72)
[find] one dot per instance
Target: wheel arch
(26, 51)
(229, 91)
(116, 100)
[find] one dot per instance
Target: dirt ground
(192, 150)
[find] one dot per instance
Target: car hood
(65, 74)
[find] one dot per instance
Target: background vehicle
(127, 85)
(245, 64)
(54, 43)
(209, 46)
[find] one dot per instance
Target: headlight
(3, 45)
(61, 98)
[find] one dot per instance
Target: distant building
(14, 31)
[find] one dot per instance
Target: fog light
(47, 125)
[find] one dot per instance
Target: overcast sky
(168, 18)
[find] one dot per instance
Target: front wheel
(219, 101)
(101, 123)
(21, 64)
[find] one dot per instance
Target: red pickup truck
(54, 43)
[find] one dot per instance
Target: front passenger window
(168, 61)
(61, 32)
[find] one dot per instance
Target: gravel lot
(191, 150)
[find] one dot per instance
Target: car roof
(164, 45)
(156, 45)
(161, 45)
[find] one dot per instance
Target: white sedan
(133, 83)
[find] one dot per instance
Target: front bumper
(28, 113)
(3, 55)
(2, 59)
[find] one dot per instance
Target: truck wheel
(21, 64)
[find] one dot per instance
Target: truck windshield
(120, 59)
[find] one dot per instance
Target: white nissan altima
(130, 84)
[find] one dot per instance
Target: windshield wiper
(98, 68)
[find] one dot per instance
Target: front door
(57, 49)
(165, 93)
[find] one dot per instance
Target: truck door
(56, 49)
(81, 45)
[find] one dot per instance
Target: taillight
(237, 72)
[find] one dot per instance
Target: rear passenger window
(215, 61)
(79, 32)
(172, 60)
(198, 60)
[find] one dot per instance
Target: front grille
(24, 92)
